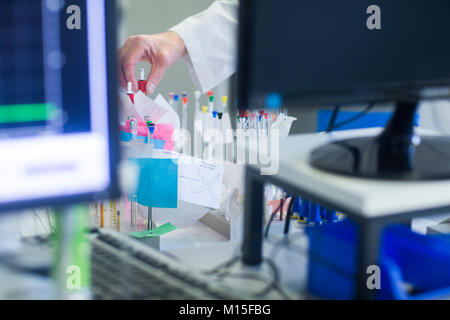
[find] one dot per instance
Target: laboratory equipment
(204, 123)
(130, 92)
(176, 99)
(184, 120)
(338, 58)
(142, 83)
(60, 124)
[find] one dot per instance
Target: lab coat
(211, 41)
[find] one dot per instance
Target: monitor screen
(328, 51)
(57, 106)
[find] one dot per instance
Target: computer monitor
(328, 52)
(58, 113)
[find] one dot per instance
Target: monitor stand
(397, 153)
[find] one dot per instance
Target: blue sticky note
(126, 137)
(158, 183)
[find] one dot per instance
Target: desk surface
(364, 197)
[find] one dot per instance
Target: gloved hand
(160, 50)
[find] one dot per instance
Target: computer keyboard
(123, 268)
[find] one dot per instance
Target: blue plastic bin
(422, 262)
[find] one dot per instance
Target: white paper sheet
(147, 107)
(199, 182)
(171, 116)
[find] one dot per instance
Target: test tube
(224, 104)
(133, 213)
(130, 92)
(102, 215)
(185, 113)
(111, 214)
(142, 83)
(118, 221)
(204, 121)
(197, 95)
(151, 131)
(176, 98)
(172, 100)
(211, 103)
(134, 132)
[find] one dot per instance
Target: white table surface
(369, 198)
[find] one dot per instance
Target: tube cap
(205, 109)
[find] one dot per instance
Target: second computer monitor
(334, 52)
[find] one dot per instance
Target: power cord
(272, 284)
(332, 126)
(289, 215)
(274, 213)
(333, 118)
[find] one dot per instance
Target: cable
(36, 216)
(224, 266)
(271, 284)
(356, 117)
(280, 207)
(52, 229)
(289, 215)
(333, 118)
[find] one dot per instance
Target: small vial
(142, 83)
(130, 92)
(185, 112)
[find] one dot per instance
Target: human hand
(160, 50)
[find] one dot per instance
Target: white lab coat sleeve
(211, 41)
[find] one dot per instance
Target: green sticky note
(162, 230)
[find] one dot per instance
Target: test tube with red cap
(185, 112)
(266, 123)
(142, 83)
(130, 92)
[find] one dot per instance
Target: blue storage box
(407, 260)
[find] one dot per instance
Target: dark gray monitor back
(331, 52)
